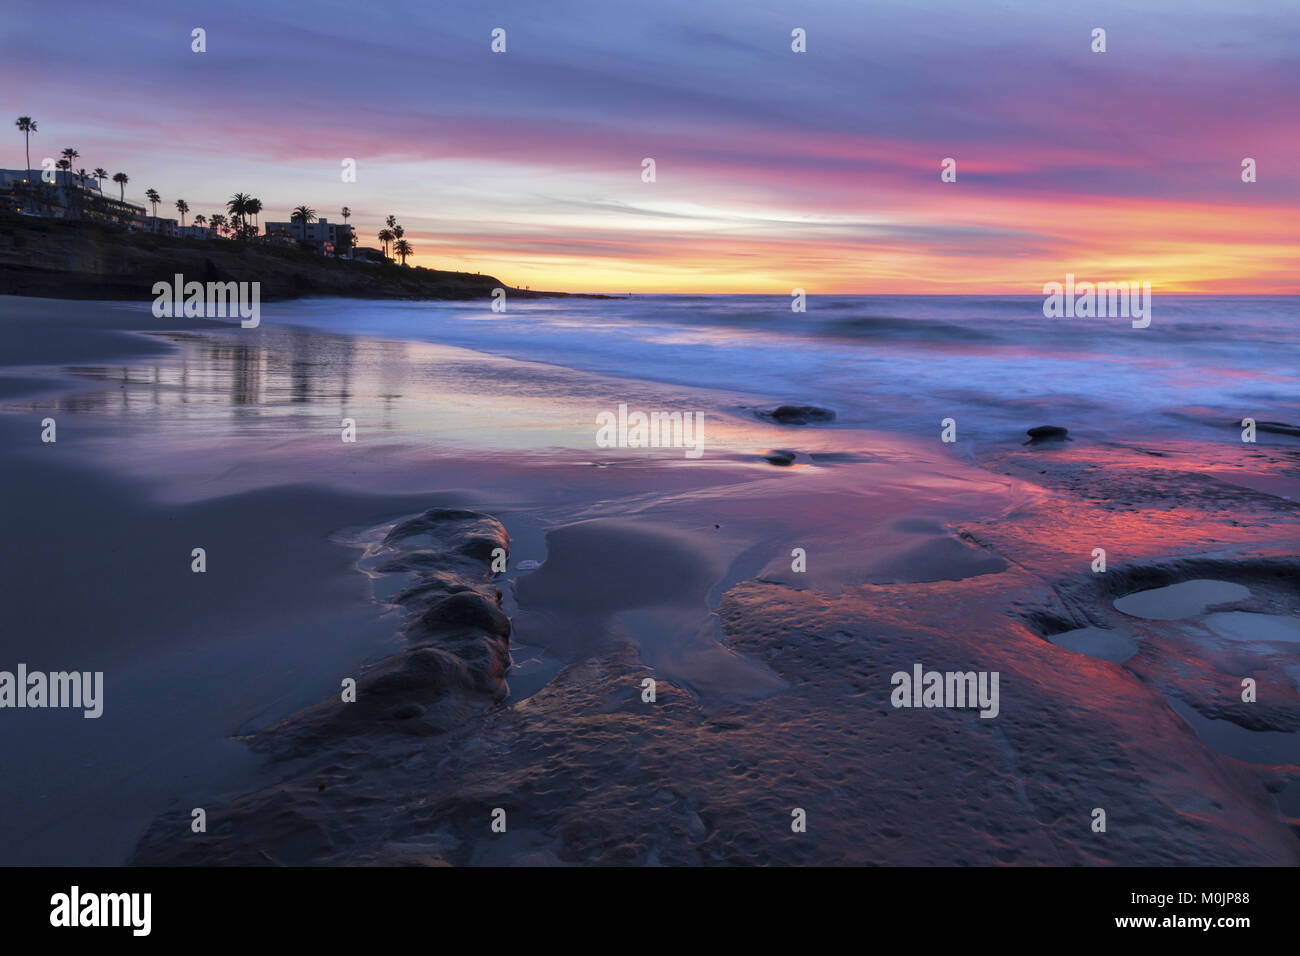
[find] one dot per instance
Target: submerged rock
(780, 456)
(798, 415)
(1046, 433)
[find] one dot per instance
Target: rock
(1046, 433)
(467, 609)
(458, 649)
(441, 523)
(798, 415)
(780, 456)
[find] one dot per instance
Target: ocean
(994, 363)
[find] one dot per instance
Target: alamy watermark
(1101, 300)
(75, 908)
(954, 689)
(215, 300)
(75, 689)
(651, 430)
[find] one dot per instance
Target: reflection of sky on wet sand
(226, 411)
(291, 382)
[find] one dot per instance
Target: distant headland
(83, 259)
(63, 235)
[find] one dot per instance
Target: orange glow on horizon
(1178, 247)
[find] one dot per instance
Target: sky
(774, 170)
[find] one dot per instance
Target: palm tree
(304, 215)
(69, 154)
(218, 223)
(237, 206)
(346, 235)
(100, 175)
(121, 179)
(64, 165)
(154, 198)
(398, 232)
(403, 248)
(385, 237)
(390, 222)
(182, 207)
(200, 220)
(254, 208)
(26, 125)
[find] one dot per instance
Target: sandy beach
(769, 589)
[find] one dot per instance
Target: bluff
(84, 260)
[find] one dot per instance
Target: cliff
(83, 260)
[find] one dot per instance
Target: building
(159, 227)
(66, 197)
(329, 238)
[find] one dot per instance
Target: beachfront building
(67, 197)
(196, 232)
(327, 238)
(155, 225)
(367, 254)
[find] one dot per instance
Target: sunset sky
(775, 169)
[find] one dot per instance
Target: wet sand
(772, 684)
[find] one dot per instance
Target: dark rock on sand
(780, 456)
(1046, 433)
(458, 639)
(798, 415)
(441, 522)
(467, 609)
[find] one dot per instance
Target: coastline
(773, 688)
(99, 263)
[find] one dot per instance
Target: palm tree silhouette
(200, 220)
(64, 165)
(304, 215)
(385, 237)
(121, 179)
(154, 198)
(69, 154)
(403, 248)
(218, 222)
(237, 206)
(254, 209)
(182, 207)
(26, 125)
(83, 176)
(100, 175)
(346, 237)
(390, 222)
